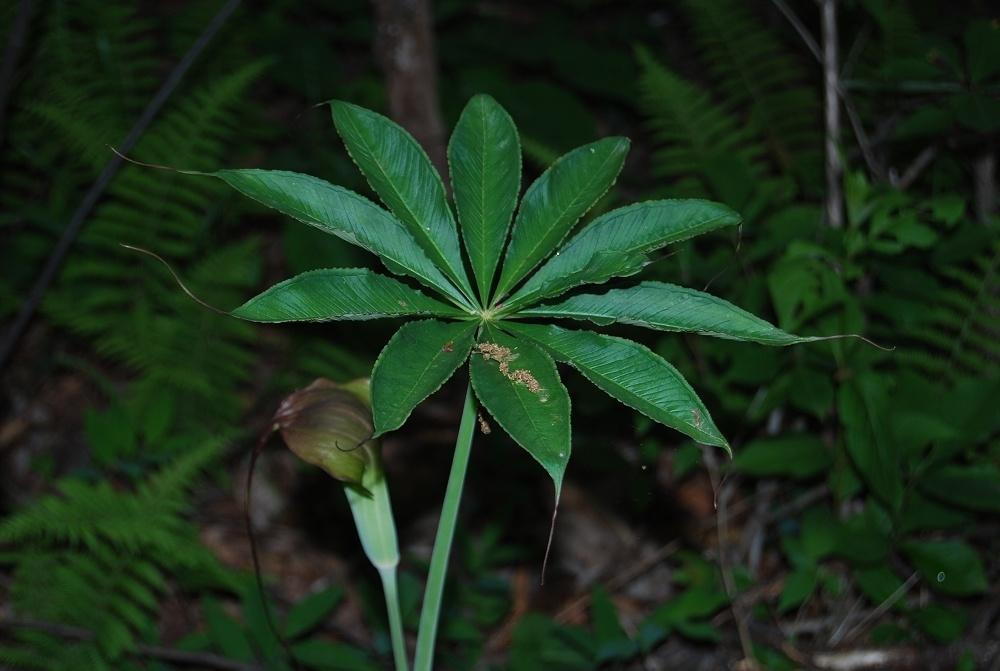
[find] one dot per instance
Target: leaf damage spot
(449, 346)
(503, 356)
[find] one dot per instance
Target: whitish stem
(389, 586)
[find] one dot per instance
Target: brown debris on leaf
(527, 379)
(503, 356)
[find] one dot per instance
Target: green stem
(429, 615)
(395, 619)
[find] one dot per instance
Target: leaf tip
(840, 336)
(552, 531)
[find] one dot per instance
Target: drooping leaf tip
(143, 164)
(177, 278)
(552, 532)
(841, 336)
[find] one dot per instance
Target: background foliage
(860, 509)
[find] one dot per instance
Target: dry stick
(831, 115)
(889, 602)
(864, 143)
(11, 54)
(172, 655)
(915, 168)
(58, 254)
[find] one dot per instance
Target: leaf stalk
(430, 613)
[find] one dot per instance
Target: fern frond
(102, 558)
(947, 324)
(756, 74)
(691, 131)
(95, 515)
(130, 310)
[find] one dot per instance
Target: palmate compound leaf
(484, 157)
(414, 364)
(339, 294)
(345, 214)
(399, 171)
(555, 202)
(518, 384)
(667, 307)
(616, 244)
(630, 373)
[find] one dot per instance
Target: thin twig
(853, 117)
(800, 28)
(831, 115)
(111, 168)
(184, 657)
(728, 583)
(889, 602)
(915, 168)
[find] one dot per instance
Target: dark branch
(58, 255)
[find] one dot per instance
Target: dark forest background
(859, 513)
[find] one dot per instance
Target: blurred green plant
(98, 559)
(541, 643)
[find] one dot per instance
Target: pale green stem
(431, 610)
(395, 619)
(372, 512)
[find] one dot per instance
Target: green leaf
(688, 607)
(795, 455)
(667, 307)
(920, 513)
(484, 157)
(952, 567)
(799, 585)
(519, 385)
(226, 634)
(972, 487)
(399, 171)
(318, 653)
(863, 406)
(982, 45)
(616, 244)
(414, 364)
(612, 641)
(259, 630)
(820, 531)
(631, 373)
(943, 623)
(339, 294)
(343, 213)
(879, 584)
(556, 201)
(307, 614)
(862, 540)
